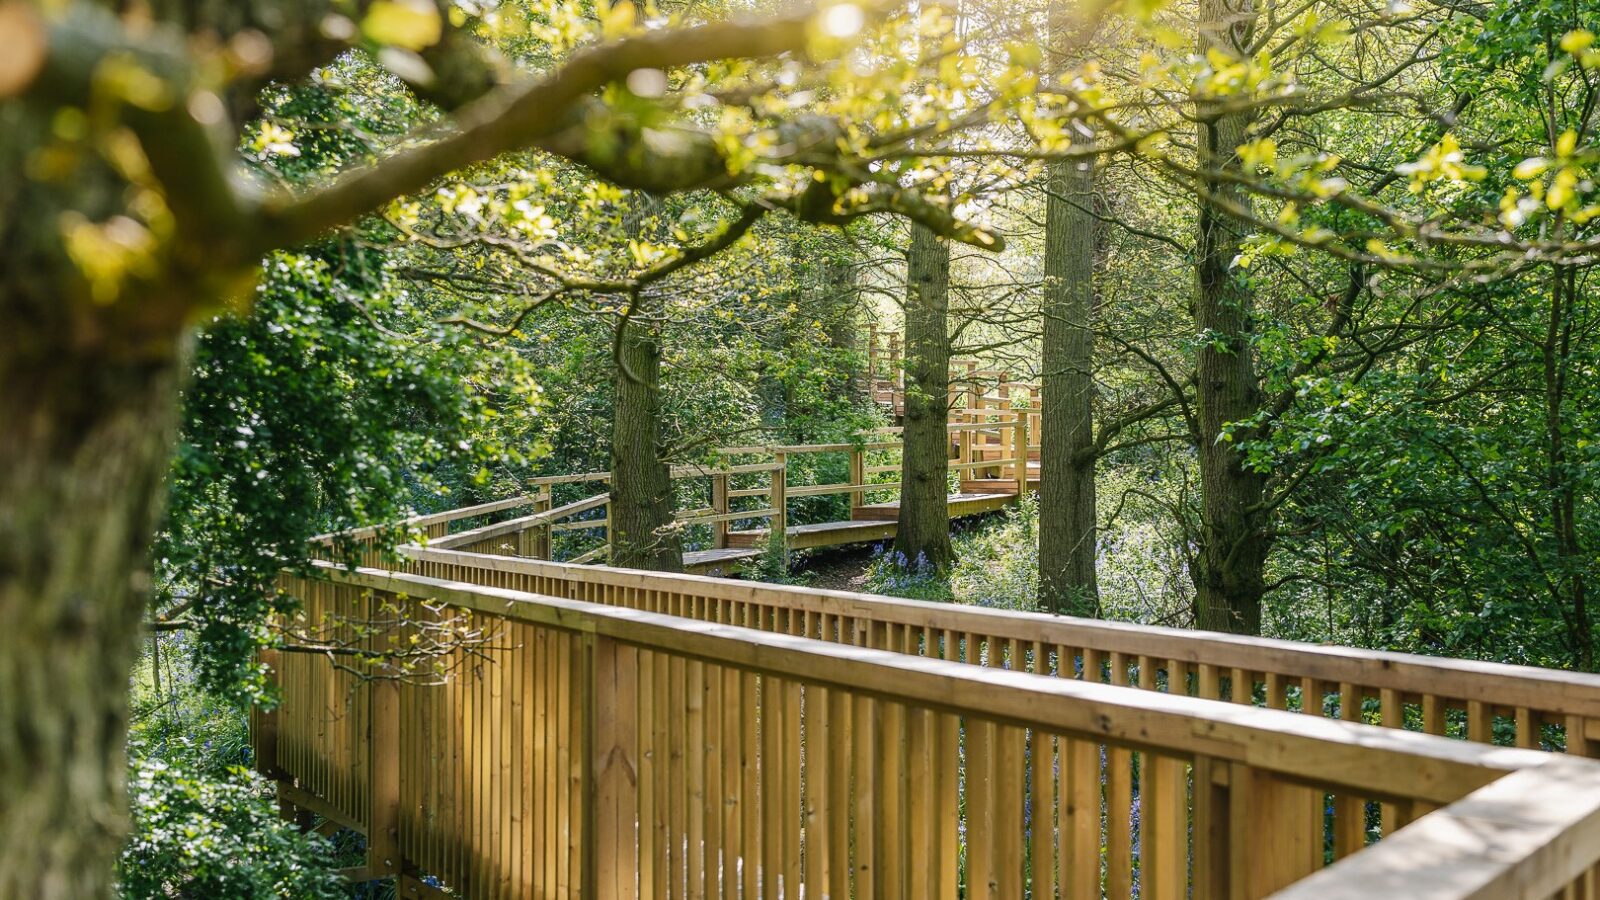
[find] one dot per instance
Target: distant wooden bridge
(747, 492)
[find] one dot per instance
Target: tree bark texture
(1067, 545)
(1235, 538)
(642, 532)
(924, 527)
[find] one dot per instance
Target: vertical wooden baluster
(981, 824)
(818, 731)
(789, 744)
(1480, 722)
(772, 690)
(1271, 831)
(1243, 687)
(1119, 800)
(1008, 810)
(864, 751)
(922, 812)
(712, 779)
(1041, 809)
(692, 775)
(1078, 817)
(1527, 729)
(1163, 819)
(612, 858)
(1391, 714)
(750, 798)
(649, 884)
(664, 777)
(946, 787)
(1349, 813)
(733, 801)
(837, 749)
(1433, 717)
(891, 785)
(1210, 685)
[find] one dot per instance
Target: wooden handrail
(615, 749)
(1530, 834)
(1381, 762)
(1408, 678)
(512, 526)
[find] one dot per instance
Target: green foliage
(312, 416)
(204, 824)
(202, 835)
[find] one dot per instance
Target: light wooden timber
(588, 754)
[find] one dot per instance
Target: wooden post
(383, 764)
(264, 740)
(872, 362)
(896, 373)
(1020, 434)
(858, 476)
(611, 848)
(1274, 832)
(540, 547)
(780, 498)
(719, 506)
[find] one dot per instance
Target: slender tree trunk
(1067, 543)
(1234, 539)
(843, 323)
(1559, 481)
(924, 532)
(642, 534)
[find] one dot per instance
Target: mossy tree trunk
(1235, 538)
(642, 532)
(924, 527)
(1067, 545)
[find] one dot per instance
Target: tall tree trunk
(1066, 460)
(1234, 539)
(843, 322)
(924, 532)
(88, 398)
(1560, 480)
(82, 457)
(642, 534)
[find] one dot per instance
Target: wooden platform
(870, 523)
(725, 561)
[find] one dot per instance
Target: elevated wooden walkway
(748, 492)
(595, 732)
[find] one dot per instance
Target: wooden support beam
(383, 767)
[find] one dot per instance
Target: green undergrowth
(203, 823)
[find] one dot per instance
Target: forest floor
(838, 569)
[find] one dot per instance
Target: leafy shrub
(200, 836)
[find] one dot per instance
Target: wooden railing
(1518, 706)
(677, 740)
(989, 451)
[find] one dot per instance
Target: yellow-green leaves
(272, 139)
(1259, 154)
(1568, 178)
(616, 19)
(1577, 41)
(1444, 162)
(108, 253)
(407, 24)
(1531, 168)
